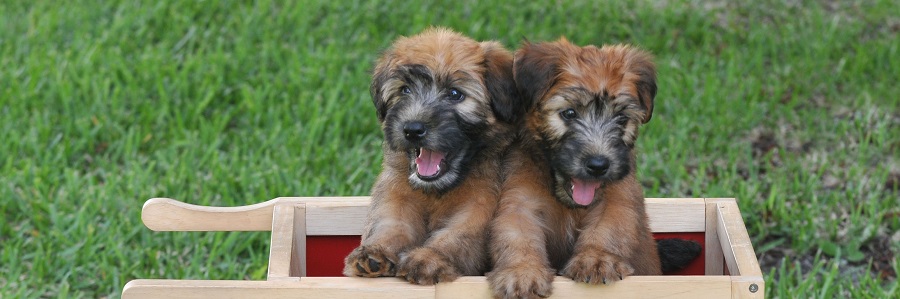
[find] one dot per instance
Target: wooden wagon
(311, 236)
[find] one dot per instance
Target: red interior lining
(325, 254)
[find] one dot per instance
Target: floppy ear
(379, 77)
(498, 79)
(641, 64)
(535, 70)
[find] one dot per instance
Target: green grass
(790, 107)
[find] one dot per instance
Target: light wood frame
(290, 219)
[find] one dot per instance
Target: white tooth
(573, 187)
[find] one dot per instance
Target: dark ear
(641, 64)
(498, 79)
(535, 70)
(379, 77)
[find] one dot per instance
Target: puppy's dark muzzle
(414, 131)
(596, 166)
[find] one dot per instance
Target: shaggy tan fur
(444, 94)
(603, 235)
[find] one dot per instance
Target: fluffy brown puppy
(444, 102)
(571, 200)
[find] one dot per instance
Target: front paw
(523, 281)
(426, 266)
(596, 267)
(370, 261)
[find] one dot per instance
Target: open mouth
(582, 192)
(430, 164)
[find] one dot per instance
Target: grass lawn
(792, 108)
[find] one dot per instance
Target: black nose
(414, 130)
(597, 166)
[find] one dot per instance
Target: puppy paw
(425, 266)
(597, 267)
(370, 261)
(524, 281)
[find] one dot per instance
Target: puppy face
(585, 106)
(438, 96)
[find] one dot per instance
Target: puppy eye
(568, 114)
(456, 95)
(405, 90)
(621, 120)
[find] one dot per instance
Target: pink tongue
(428, 163)
(583, 192)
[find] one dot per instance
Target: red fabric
(325, 254)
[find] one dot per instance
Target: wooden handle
(166, 214)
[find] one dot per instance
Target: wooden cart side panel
(738, 252)
(281, 244)
(291, 219)
(666, 215)
(676, 215)
(340, 216)
(735, 242)
(332, 219)
(344, 287)
(689, 287)
(715, 260)
(165, 214)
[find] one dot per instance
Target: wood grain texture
(319, 287)
(738, 252)
(282, 242)
(689, 287)
(743, 286)
(715, 260)
(166, 214)
(676, 215)
(735, 241)
(298, 242)
(340, 216)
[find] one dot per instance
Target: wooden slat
(333, 216)
(164, 214)
(686, 287)
(281, 246)
(668, 215)
(336, 218)
(310, 287)
(464, 287)
(735, 241)
(298, 251)
(738, 252)
(715, 261)
(689, 287)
